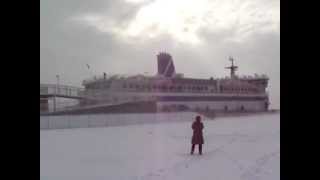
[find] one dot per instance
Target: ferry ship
(171, 91)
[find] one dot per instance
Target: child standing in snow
(197, 137)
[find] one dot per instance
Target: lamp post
(58, 78)
(55, 94)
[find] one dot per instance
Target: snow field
(236, 148)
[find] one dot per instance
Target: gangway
(53, 90)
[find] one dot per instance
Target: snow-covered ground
(236, 148)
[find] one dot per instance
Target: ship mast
(232, 68)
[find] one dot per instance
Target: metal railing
(108, 120)
(60, 90)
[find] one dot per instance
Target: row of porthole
(166, 87)
(238, 89)
(226, 108)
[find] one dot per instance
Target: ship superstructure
(171, 91)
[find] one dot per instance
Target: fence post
(88, 121)
(49, 122)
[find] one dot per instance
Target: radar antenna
(232, 68)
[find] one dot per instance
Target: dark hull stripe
(210, 98)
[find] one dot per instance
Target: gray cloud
(66, 47)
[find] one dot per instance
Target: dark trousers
(200, 148)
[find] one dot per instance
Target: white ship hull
(169, 91)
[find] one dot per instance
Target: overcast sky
(124, 36)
